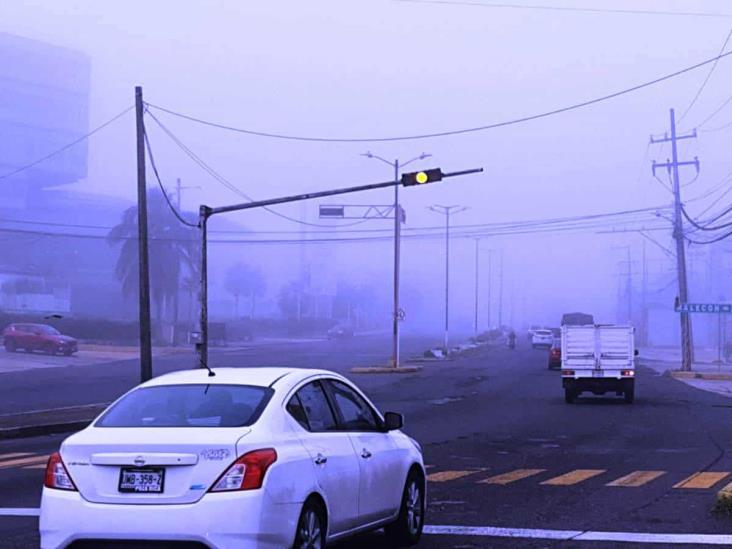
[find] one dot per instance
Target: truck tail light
(567, 372)
(56, 474)
(627, 373)
(247, 472)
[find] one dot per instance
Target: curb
(386, 370)
(699, 375)
(27, 431)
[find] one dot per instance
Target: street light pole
(447, 211)
(398, 220)
(477, 270)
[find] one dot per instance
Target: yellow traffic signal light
(420, 178)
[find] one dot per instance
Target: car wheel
(629, 395)
(569, 395)
(68, 352)
(10, 346)
(50, 349)
(407, 529)
(310, 532)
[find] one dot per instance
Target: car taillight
(56, 474)
(567, 372)
(556, 352)
(247, 472)
(627, 373)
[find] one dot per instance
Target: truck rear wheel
(629, 394)
(569, 395)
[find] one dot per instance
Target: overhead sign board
(332, 211)
(716, 308)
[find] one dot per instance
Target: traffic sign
(716, 308)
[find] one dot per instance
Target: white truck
(598, 358)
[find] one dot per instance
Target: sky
(385, 68)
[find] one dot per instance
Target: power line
(226, 183)
(568, 8)
(160, 184)
(444, 133)
(709, 74)
(67, 146)
(724, 236)
(717, 110)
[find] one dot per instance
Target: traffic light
(421, 178)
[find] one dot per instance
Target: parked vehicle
(38, 337)
(542, 339)
(340, 331)
(577, 319)
(251, 457)
(531, 330)
(555, 355)
(598, 359)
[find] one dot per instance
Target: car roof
(258, 377)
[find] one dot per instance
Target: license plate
(597, 373)
(141, 480)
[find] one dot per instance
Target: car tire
(50, 349)
(406, 530)
(629, 395)
(10, 346)
(68, 352)
(311, 527)
(569, 395)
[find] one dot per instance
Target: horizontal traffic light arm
(206, 211)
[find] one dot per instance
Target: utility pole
(672, 167)
(142, 245)
(490, 274)
(500, 290)
(397, 313)
(477, 271)
(447, 211)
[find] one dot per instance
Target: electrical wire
(704, 83)
(706, 227)
(717, 110)
(567, 8)
(67, 146)
(160, 183)
(719, 238)
(226, 183)
(443, 133)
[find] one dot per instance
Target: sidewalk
(706, 374)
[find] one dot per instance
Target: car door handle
(321, 460)
(365, 454)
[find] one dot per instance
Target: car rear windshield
(543, 332)
(188, 406)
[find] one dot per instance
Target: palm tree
(173, 249)
(245, 280)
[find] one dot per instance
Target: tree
(245, 280)
(173, 249)
(290, 300)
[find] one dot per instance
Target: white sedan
(251, 457)
(542, 338)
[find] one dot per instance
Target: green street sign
(714, 308)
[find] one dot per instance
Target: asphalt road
(505, 451)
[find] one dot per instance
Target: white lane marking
(19, 511)
(493, 531)
(578, 535)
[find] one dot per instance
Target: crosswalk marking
(32, 460)
(636, 478)
(512, 476)
(14, 455)
(445, 476)
(573, 477)
(701, 480)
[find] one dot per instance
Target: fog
(370, 70)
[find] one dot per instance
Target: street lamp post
(398, 220)
(447, 211)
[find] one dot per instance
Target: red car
(555, 355)
(38, 337)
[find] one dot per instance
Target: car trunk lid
(130, 465)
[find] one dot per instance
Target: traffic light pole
(397, 261)
(205, 212)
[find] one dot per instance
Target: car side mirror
(636, 352)
(393, 421)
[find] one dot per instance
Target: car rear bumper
(220, 521)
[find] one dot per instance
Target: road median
(48, 422)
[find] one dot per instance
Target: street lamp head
(424, 155)
(367, 154)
